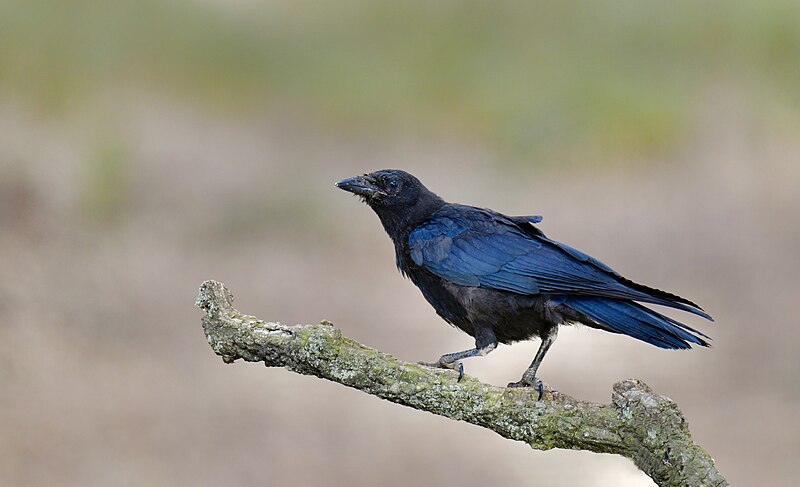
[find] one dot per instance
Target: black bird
(500, 279)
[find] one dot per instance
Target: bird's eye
(393, 183)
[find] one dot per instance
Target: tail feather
(637, 321)
(657, 296)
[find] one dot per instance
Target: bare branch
(638, 424)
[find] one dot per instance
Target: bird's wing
(474, 247)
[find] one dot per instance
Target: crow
(501, 280)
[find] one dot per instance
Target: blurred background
(148, 145)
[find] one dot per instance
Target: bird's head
(388, 188)
(396, 196)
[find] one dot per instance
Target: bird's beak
(360, 185)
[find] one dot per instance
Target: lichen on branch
(639, 424)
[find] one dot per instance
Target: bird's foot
(536, 383)
(444, 364)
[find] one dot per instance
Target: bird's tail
(637, 321)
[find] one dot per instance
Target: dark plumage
(500, 279)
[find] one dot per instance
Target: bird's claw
(536, 383)
(439, 364)
(433, 365)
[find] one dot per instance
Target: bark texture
(639, 424)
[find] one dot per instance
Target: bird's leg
(529, 378)
(485, 342)
(453, 360)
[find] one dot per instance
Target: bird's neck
(399, 224)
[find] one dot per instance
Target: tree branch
(638, 424)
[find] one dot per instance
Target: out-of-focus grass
(559, 78)
(106, 181)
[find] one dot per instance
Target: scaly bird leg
(529, 378)
(485, 342)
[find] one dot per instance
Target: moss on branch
(639, 424)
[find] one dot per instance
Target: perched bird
(500, 279)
